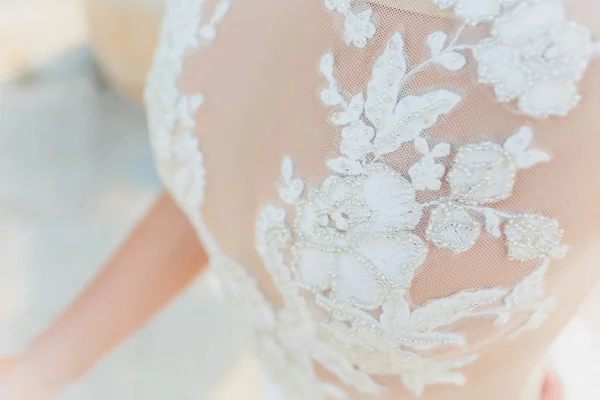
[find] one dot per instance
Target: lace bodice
(396, 195)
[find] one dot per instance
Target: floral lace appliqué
(353, 242)
(533, 55)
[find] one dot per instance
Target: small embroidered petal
(532, 237)
(390, 200)
(331, 97)
(451, 60)
(531, 158)
(436, 41)
(291, 189)
(517, 145)
(314, 268)
(338, 5)
(395, 313)
(492, 222)
(346, 166)
(482, 173)
(427, 174)
(451, 226)
(354, 283)
(287, 169)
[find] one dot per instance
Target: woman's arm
(161, 256)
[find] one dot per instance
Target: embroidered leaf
(395, 323)
(446, 311)
(441, 150)
(451, 226)
(492, 222)
(411, 117)
(330, 96)
(385, 83)
(436, 41)
(326, 66)
(531, 158)
(287, 169)
(345, 166)
(537, 317)
(529, 290)
(451, 60)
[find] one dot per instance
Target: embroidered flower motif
(354, 236)
(359, 28)
(452, 226)
(476, 11)
(531, 237)
(535, 56)
(427, 174)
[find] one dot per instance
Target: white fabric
(378, 183)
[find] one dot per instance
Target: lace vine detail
(352, 242)
(172, 114)
(358, 26)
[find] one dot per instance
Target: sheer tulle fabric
(400, 197)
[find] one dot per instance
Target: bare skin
(159, 259)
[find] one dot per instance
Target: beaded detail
(344, 252)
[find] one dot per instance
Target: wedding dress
(398, 196)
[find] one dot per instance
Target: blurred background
(76, 173)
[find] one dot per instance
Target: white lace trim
(172, 114)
